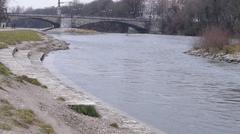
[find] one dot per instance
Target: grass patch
(46, 128)
(25, 115)
(4, 70)
(30, 80)
(23, 118)
(115, 125)
(14, 37)
(3, 45)
(86, 110)
(5, 126)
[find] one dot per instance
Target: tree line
(3, 15)
(122, 8)
(190, 17)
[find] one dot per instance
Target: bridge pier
(66, 23)
(154, 27)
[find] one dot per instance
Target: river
(150, 78)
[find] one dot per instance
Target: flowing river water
(150, 78)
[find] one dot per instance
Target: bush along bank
(216, 44)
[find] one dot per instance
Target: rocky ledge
(220, 56)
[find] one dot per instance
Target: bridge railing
(80, 17)
(31, 15)
(112, 18)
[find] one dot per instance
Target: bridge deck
(79, 17)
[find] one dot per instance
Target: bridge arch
(54, 24)
(135, 27)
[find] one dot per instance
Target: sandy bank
(25, 59)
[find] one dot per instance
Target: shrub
(85, 109)
(213, 39)
(30, 80)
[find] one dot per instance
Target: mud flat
(51, 105)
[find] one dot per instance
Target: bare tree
(17, 9)
(134, 7)
(3, 15)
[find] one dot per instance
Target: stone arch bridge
(140, 25)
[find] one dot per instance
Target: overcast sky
(38, 3)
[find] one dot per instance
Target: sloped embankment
(48, 105)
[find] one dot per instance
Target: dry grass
(23, 118)
(30, 80)
(231, 49)
(5, 126)
(4, 70)
(46, 128)
(213, 39)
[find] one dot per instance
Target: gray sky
(37, 3)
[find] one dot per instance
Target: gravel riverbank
(26, 59)
(220, 56)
